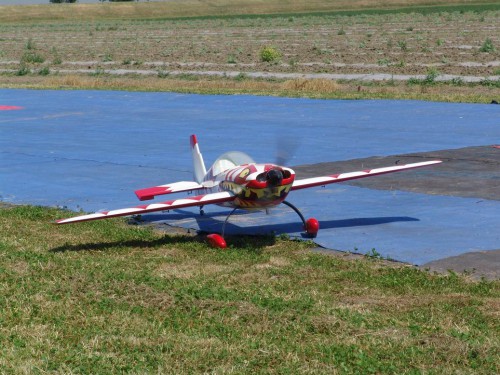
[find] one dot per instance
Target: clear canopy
(229, 160)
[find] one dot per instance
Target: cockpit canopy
(230, 160)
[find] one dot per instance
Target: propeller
(286, 146)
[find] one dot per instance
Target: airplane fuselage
(256, 186)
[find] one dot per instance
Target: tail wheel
(312, 227)
(216, 241)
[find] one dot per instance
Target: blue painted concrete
(409, 227)
(91, 149)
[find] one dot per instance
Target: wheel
(202, 212)
(217, 241)
(312, 227)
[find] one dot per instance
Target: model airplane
(236, 181)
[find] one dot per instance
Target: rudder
(199, 170)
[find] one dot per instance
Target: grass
(105, 297)
(191, 9)
(455, 91)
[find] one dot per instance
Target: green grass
(104, 297)
(431, 9)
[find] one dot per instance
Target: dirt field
(431, 45)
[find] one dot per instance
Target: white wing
(199, 200)
(176, 187)
(331, 179)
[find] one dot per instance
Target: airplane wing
(176, 187)
(199, 200)
(331, 179)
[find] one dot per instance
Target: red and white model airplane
(236, 181)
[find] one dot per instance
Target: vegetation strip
(106, 297)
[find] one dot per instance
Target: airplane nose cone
(274, 177)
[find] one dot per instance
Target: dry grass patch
(192, 269)
(334, 90)
(322, 86)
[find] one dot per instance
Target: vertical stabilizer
(199, 170)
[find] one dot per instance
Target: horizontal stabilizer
(176, 187)
(200, 200)
(331, 179)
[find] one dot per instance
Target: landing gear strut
(217, 240)
(311, 225)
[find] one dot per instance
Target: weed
(490, 83)
(98, 72)
(431, 76)
(374, 254)
(400, 64)
(231, 59)
(341, 31)
(487, 46)
(23, 70)
(45, 71)
(293, 62)
(383, 62)
(107, 57)
(32, 57)
(402, 44)
(241, 77)
(162, 73)
(270, 54)
(30, 45)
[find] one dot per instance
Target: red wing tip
(150, 193)
(194, 141)
(9, 107)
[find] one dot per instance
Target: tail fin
(198, 164)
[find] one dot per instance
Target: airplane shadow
(241, 234)
(144, 244)
(239, 225)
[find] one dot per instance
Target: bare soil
(458, 44)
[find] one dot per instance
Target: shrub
(270, 54)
